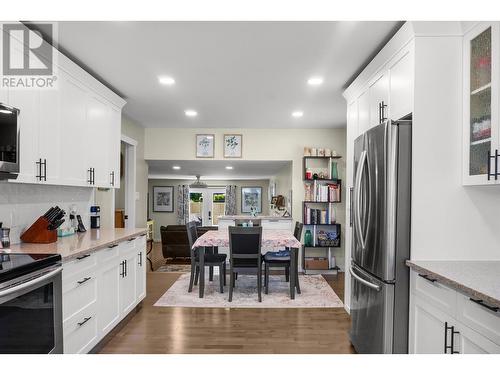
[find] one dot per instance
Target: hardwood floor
(223, 331)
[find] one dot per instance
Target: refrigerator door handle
(357, 199)
(363, 281)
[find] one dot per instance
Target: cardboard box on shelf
(316, 263)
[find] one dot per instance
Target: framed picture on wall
(163, 198)
(233, 145)
(251, 197)
(205, 145)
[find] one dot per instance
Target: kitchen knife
(45, 215)
(55, 224)
(59, 216)
(54, 214)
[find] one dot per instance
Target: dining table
(272, 240)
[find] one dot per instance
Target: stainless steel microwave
(9, 142)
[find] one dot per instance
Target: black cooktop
(13, 265)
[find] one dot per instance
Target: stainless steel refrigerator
(381, 239)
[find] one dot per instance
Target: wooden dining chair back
(245, 255)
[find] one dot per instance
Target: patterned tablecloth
(271, 238)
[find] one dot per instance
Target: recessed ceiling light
(165, 80)
(229, 167)
(176, 167)
(315, 81)
(297, 114)
(191, 113)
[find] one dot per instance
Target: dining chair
(198, 264)
(282, 259)
(244, 255)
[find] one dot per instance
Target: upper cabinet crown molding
(404, 36)
(61, 61)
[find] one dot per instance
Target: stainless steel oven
(9, 141)
(31, 311)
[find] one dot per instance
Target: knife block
(38, 232)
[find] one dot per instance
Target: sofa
(174, 240)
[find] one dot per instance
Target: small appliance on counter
(4, 236)
(44, 229)
(95, 218)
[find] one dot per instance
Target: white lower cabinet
(128, 280)
(444, 321)
(99, 290)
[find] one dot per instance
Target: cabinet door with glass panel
(481, 160)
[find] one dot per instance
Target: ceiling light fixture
(229, 167)
(297, 114)
(165, 80)
(315, 81)
(176, 167)
(190, 113)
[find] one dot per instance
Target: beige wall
(132, 129)
(258, 144)
(170, 218)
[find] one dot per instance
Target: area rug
(316, 293)
(174, 268)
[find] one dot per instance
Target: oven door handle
(30, 283)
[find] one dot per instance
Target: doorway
(125, 195)
(206, 205)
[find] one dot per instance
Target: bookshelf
(323, 190)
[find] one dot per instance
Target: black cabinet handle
(83, 257)
(122, 273)
(125, 268)
(350, 206)
(112, 246)
(142, 235)
(112, 183)
(382, 108)
(41, 176)
(140, 258)
(84, 321)
(90, 176)
(427, 278)
(93, 176)
(84, 280)
(131, 239)
(446, 338)
(489, 165)
(480, 302)
(453, 333)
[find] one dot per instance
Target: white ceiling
(235, 74)
(216, 169)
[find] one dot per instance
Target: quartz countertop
(72, 246)
(250, 217)
(478, 279)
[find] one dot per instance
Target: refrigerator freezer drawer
(372, 305)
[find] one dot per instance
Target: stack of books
(317, 192)
(319, 216)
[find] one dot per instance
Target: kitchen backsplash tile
(22, 204)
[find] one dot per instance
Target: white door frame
(130, 179)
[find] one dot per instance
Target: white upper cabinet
(69, 134)
(401, 84)
(28, 102)
(480, 103)
(364, 112)
(379, 99)
(73, 128)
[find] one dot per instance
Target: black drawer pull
(427, 278)
(142, 235)
(113, 246)
(480, 302)
(83, 257)
(84, 280)
(84, 321)
(131, 239)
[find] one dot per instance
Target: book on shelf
(314, 216)
(318, 192)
